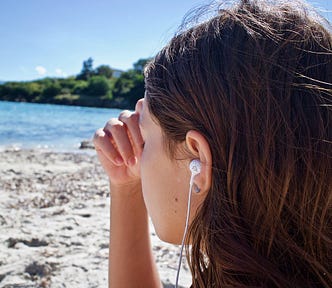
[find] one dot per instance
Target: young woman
(248, 93)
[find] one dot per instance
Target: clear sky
(41, 38)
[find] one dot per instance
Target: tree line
(95, 87)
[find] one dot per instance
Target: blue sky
(41, 38)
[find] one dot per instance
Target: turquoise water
(55, 127)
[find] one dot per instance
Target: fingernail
(118, 160)
(132, 161)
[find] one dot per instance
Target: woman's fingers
(117, 132)
(120, 141)
(131, 121)
(104, 146)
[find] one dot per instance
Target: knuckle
(132, 119)
(116, 128)
(97, 137)
(110, 123)
(98, 134)
(124, 114)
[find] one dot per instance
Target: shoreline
(83, 146)
(54, 218)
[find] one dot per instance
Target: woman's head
(255, 82)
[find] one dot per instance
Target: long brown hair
(255, 80)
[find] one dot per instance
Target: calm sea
(55, 127)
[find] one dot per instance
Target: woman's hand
(119, 147)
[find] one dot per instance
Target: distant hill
(96, 87)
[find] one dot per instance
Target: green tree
(98, 86)
(80, 87)
(34, 90)
(69, 82)
(50, 92)
(104, 70)
(3, 92)
(137, 91)
(19, 92)
(140, 64)
(91, 87)
(87, 70)
(123, 84)
(128, 88)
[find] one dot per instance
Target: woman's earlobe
(202, 181)
(196, 189)
(199, 147)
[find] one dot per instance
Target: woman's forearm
(131, 263)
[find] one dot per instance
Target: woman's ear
(200, 149)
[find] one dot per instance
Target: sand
(54, 221)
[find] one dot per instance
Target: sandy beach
(54, 220)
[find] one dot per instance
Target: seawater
(46, 126)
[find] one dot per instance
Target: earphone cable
(185, 230)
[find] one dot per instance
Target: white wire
(185, 229)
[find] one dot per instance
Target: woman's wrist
(128, 190)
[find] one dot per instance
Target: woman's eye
(143, 145)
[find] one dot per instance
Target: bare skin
(144, 178)
(119, 148)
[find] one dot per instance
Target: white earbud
(195, 167)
